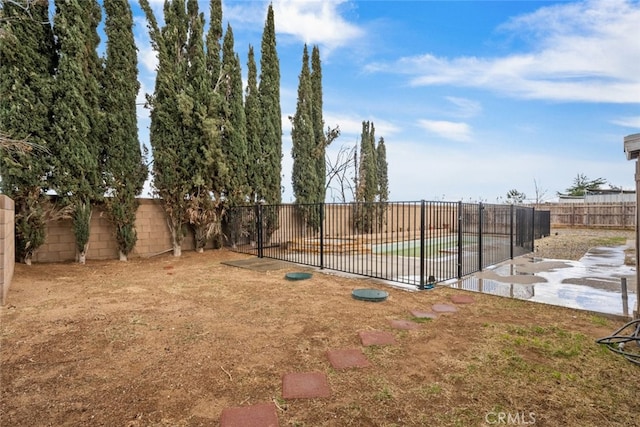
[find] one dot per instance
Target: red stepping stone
(348, 358)
(444, 308)
(462, 299)
(305, 385)
(423, 314)
(376, 338)
(261, 415)
(404, 324)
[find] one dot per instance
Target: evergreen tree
(321, 140)
(367, 188)
(270, 112)
(304, 175)
(216, 120)
(200, 133)
(271, 126)
(367, 174)
(234, 134)
(255, 159)
(582, 185)
(382, 171)
(383, 181)
(515, 197)
(78, 130)
(190, 171)
(125, 171)
(214, 36)
(172, 160)
(27, 62)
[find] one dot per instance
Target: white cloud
(464, 107)
(147, 56)
(456, 131)
(312, 22)
(315, 22)
(586, 51)
(245, 14)
(630, 122)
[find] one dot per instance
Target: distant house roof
(606, 195)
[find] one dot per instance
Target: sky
(472, 98)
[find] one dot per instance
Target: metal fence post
(511, 213)
(533, 229)
(460, 240)
(321, 214)
(422, 226)
(480, 250)
(259, 228)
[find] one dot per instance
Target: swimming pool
(433, 247)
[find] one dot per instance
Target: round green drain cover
(373, 295)
(297, 276)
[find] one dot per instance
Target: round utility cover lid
(373, 295)
(298, 276)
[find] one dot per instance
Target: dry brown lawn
(173, 341)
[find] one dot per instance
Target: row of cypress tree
(78, 112)
(309, 141)
(213, 147)
(372, 182)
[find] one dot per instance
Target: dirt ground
(173, 341)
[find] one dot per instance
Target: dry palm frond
(56, 212)
(19, 145)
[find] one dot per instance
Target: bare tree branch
(339, 169)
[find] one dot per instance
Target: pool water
(433, 247)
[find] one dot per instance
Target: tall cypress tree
(125, 171)
(367, 188)
(202, 125)
(234, 135)
(383, 181)
(190, 171)
(216, 120)
(367, 175)
(271, 125)
(77, 125)
(214, 37)
(382, 168)
(193, 110)
(271, 128)
(321, 140)
(304, 175)
(172, 161)
(255, 159)
(27, 62)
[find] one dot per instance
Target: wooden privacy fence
(7, 248)
(605, 215)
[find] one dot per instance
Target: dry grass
(172, 342)
(573, 243)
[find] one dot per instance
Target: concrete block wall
(153, 233)
(7, 245)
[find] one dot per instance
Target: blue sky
(472, 98)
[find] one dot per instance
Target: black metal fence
(416, 243)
